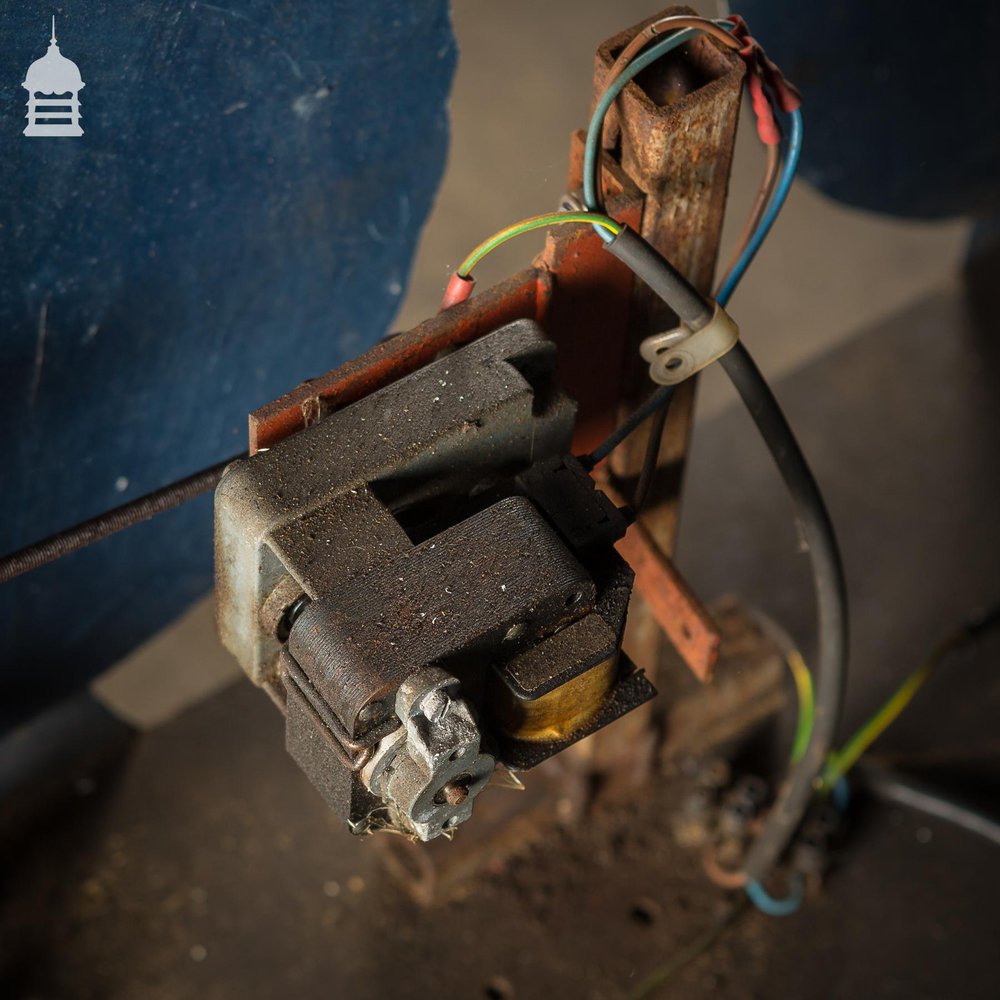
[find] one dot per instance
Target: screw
(291, 614)
(571, 202)
(517, 631)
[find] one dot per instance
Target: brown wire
(662, 26)
(649, 462)
(723, 877)
(767, 185)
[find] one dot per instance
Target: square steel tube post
(670, 143)
(672, 130)
(670, 135)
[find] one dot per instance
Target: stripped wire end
(461, 283)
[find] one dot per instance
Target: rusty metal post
(673, 132)
(671, 136)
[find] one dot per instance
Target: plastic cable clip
(676, 355)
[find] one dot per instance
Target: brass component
(557, 715)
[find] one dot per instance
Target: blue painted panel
(239, 215)
(900, 100)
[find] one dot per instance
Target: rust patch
(522, 296)
(670, 600)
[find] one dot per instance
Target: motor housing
(426, 580)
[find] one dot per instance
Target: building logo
(58, 81)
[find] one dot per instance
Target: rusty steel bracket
(575, 289)
(673, 605)
(671, 133)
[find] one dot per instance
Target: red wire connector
(762, 73)
(458, 290)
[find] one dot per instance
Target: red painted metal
(523, 296)
(588, 319)
(579, 292)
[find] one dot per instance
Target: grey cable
(890, 786)
(647, 472)
(831, 604)
(692, 309)
(817, 530)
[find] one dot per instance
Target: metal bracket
(677, 354)
(430, 770)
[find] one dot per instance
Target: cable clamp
(676, 355)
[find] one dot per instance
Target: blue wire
(772, 907)
(791, 162)
(840, 795)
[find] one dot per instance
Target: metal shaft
(112, 521)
